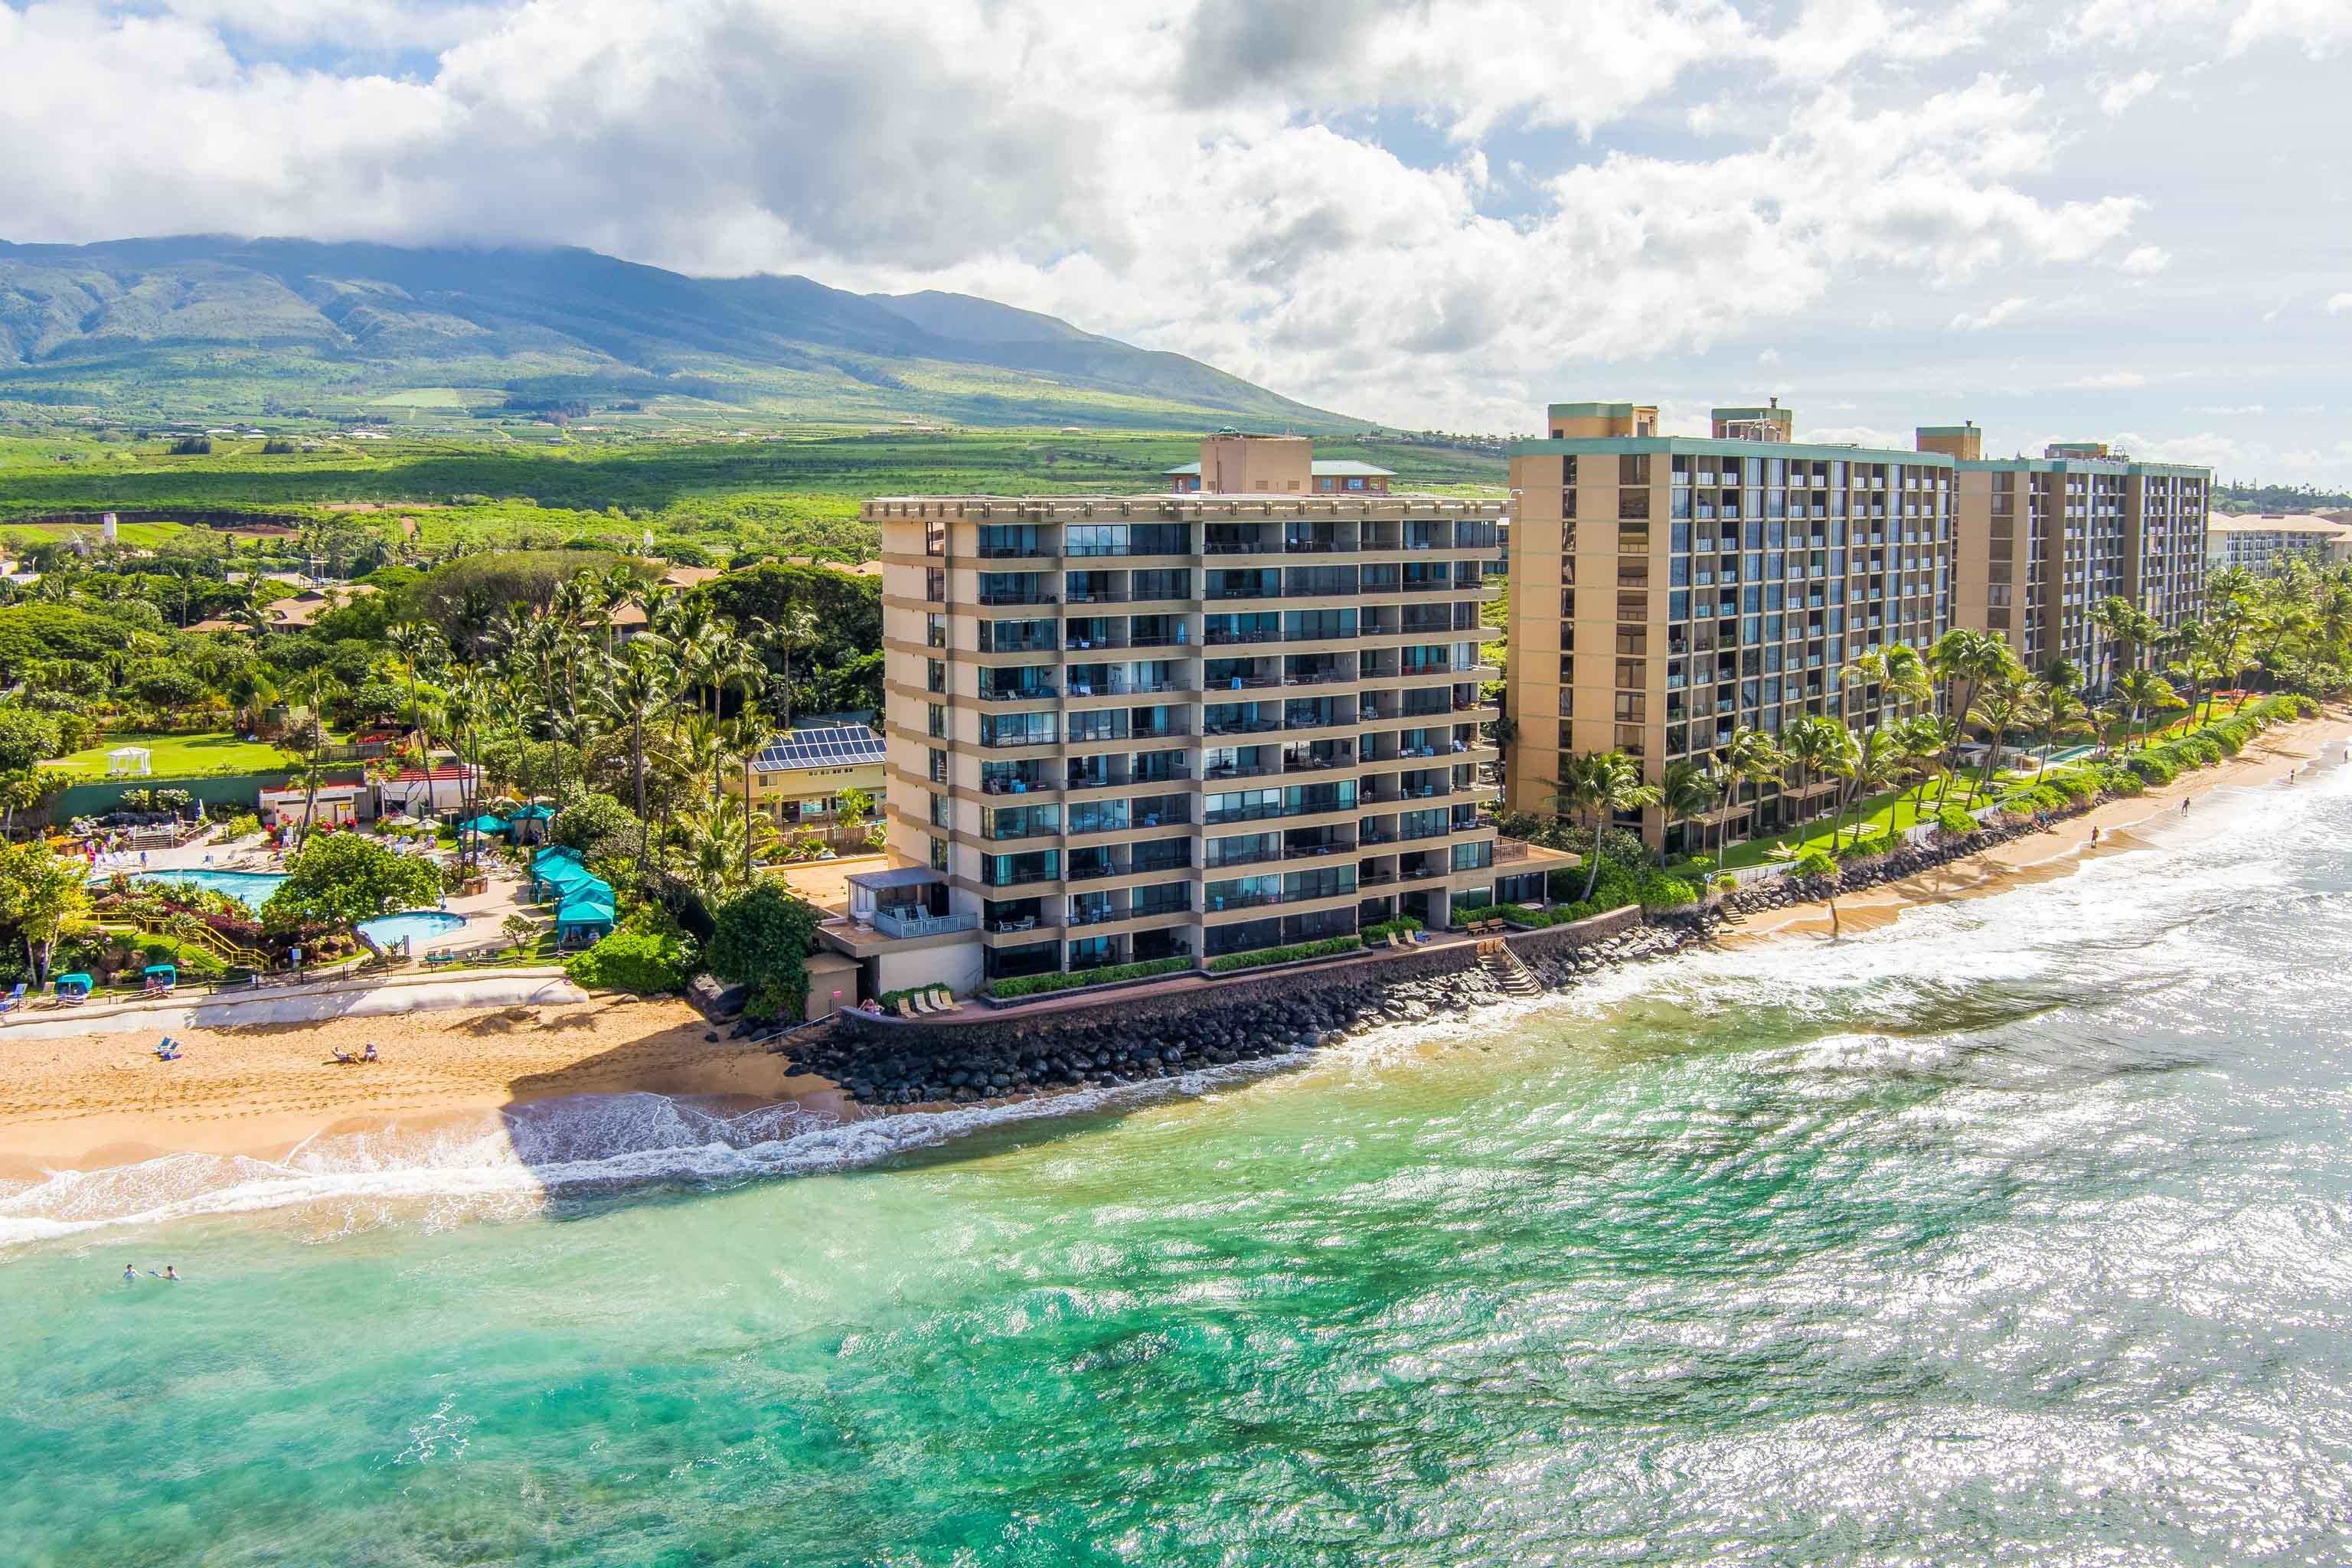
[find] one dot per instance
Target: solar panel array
(826, 746)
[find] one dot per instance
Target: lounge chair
(920, 1001)
(943, 1000)
(14, 1000)
(904, 1011)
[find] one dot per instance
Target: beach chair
(906, 1011)
(1393, 940)
(14, 999)
(943, 1000)
(920, 1002)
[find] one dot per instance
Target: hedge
(1032, 985)
(1404, 925)
(1327, 948)
(1956, 822)
(643, 962)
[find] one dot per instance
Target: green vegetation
(1329, 948)
(338, 879)
(1380, 931)
(1882, 818)
(177, 756)
(650, 963)
(760, 940)
(1036, 985)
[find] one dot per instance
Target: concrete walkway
(375, 996)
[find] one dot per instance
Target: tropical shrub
(1327, 948)
(338, 879)
(644, 962)
(1955, 822)
(1663, 893)
(1814, 862)
(1404, 925)
(1032, 985)
(2120, 780)
(1864, 844)
(760, 939)
(2081, 788)
(1724, 882)
(2152, 769)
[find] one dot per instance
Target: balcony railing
(899, 927)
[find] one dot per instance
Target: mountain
(209, 324)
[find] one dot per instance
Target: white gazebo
(129, 762)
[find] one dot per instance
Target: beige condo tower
(1668, 590)
(1188, 725)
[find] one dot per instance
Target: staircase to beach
(1495, 957)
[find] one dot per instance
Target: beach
(88, 1101)
(96, 1100)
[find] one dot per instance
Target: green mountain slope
(201, 325)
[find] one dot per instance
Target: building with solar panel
(1191, 724)
(798, 778)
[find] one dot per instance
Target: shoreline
(99, 1100)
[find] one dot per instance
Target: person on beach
(2094, 835)
(369, 1055)
(2184, 808)
(129, 1275)
(170, 1273)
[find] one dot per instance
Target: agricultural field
(792, 493)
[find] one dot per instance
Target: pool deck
(484, 912)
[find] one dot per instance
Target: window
(938, 766)
(1633, 608)
(939, 811)
(938, 723)
(1633, 468)
(1567, 502)
(1634, 503)
(935, 630)
(935, 585)
(935, 536)
(939, 854)
(936, 676)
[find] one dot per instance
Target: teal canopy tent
(585, 913)
(487, 824)
(74, 984)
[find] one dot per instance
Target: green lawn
(1896, 811)
(179, 756)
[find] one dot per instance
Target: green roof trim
(2084, 465)
(1706, 446)
(1787, 413)
(1950, 429)
(1590, 410)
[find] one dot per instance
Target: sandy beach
(2040, 857)
(93, 1100)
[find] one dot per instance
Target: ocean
(2016, 1231)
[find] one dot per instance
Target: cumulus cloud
(2120, 93)
(1985, 320)
(2339, 303)
(2147, 260)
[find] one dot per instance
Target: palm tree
(1752, 759)
(641, 685)
(1609, 783)
(1996, 711)
(1808, 751)
(1863, 767)
(1965, 661)
(743, 736)
(463, 708)
(1924, 739)
(2063, 715)
(413, 643)
(2144, 692)
(1685, 790)
(795, 628)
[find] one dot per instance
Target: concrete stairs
(1504, 967)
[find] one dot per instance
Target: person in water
(129, 1275)
(170, 1273)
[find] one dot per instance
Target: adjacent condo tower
(1207, 721)
(1668, 590)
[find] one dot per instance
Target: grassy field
(179, 756)
(1896, 811)
(792, 493)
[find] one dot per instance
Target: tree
(1604, 784)
(42, 894)
(760, 940)
(1810, 751)
(1753, 759)
(640, 688)
(338, 879)
(2144, 693)
(596, 825)
(1685, 790)
(1814, 863)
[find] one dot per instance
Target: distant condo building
(1201, 722)
(2042, 542)
(1705, 584)
(2265, 542)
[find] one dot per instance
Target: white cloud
(2007, 310)
(2115, 380)
(2318, 26)
(2231, 409)
(2205, 447)
(2339, 303)
(1769, 356)
(2120, 93)
(2147, 260)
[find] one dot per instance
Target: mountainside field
(212, 325)
(792, 495)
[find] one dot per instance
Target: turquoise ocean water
(2019, 1231)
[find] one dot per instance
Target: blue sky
(2117, 219)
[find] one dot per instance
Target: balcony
(901, 927)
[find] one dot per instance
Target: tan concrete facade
(2042, 542)
(1666, 591)
(1130, 727)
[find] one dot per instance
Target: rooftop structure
(1124, 728)
(797, 780)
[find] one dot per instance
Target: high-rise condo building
(1668, 590)
(1194, 724)
(2042, 542)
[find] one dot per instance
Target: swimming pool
(251, 889)
(417, 926)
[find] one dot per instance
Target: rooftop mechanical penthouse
(1125, 728)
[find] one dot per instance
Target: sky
(2065, 219)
